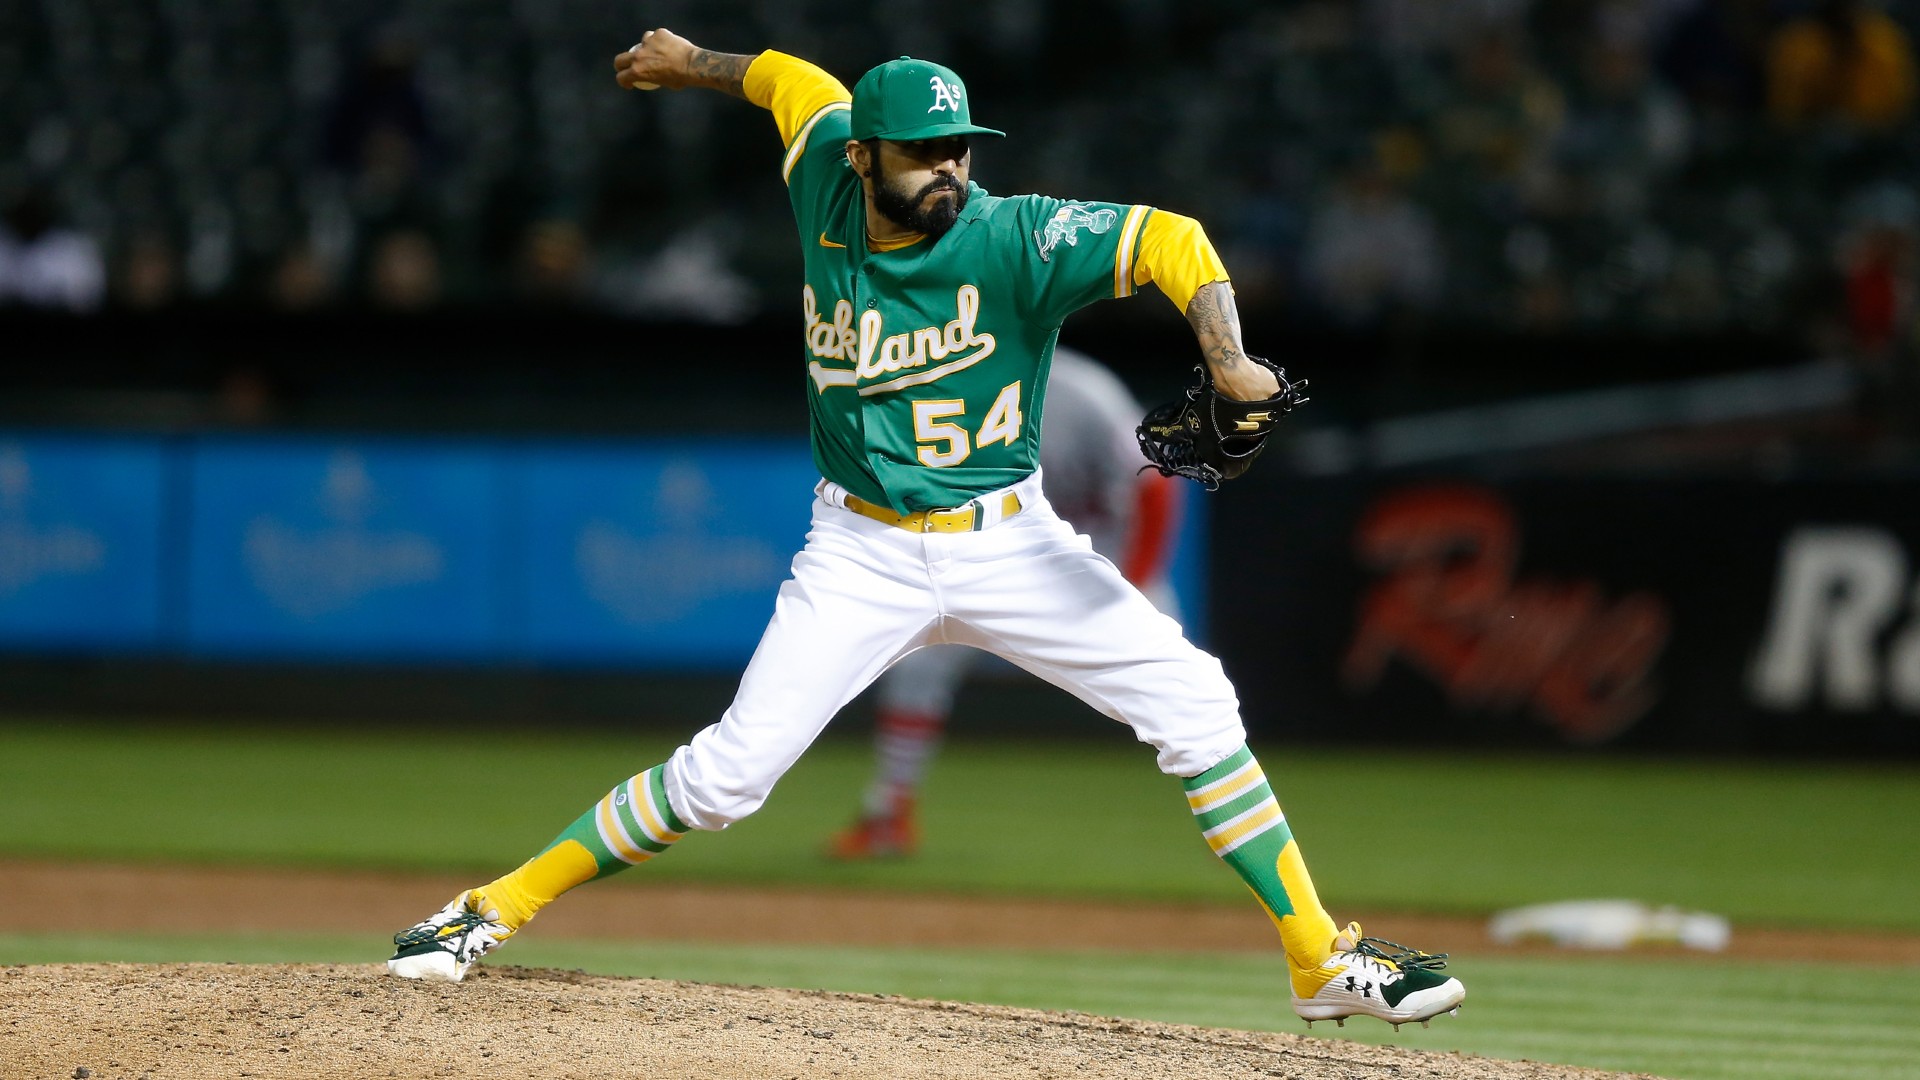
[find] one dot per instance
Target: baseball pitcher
(930, 310)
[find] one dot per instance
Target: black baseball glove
(1208, 437)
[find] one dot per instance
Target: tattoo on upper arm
(1216, 322)
(722, 71)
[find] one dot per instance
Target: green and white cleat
(443, 946)
(1370, 977)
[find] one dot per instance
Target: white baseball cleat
(1370, 977)
(443, 946)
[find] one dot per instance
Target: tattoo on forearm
(1216, 322)
(721, 71)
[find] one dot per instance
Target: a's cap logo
(946, 95)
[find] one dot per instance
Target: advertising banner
(345, 549)
(82, 535)
(1729, 615)
(633, 554)
(653, 555)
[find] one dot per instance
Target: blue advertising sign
(81, 523)
(368, 549)
(654, 555)
(634, 554)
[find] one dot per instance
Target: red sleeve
(1149, 542)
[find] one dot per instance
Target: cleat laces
(458, 934)
(1396, 955)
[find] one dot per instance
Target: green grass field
(1825, 845)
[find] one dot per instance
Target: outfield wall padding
(1725, 614)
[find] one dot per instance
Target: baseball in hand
(643, 85)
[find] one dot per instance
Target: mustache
(944, 183)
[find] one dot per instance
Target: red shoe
(887, 836)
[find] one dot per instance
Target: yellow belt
(959, 519)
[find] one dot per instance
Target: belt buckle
(951, 520)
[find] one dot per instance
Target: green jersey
(928, 365)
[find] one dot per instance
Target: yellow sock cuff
(1307, 933)
(538, 881)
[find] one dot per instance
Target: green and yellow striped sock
(1243, 824)
(632, 824)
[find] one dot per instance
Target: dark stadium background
(1633, 280)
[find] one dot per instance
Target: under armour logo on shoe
(1355, 987)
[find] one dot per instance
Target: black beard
(907, 212)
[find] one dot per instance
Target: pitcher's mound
(114, 1021)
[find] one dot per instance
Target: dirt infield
(156, 1022)
(352, 1021)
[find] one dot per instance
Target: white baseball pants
(924, 683)
(863, 594)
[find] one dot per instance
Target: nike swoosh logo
(824, 242)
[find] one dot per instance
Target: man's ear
(859, 158)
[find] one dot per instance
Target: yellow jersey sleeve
(1176, 255)
(797, 93)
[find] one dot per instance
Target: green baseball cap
(909, 99)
